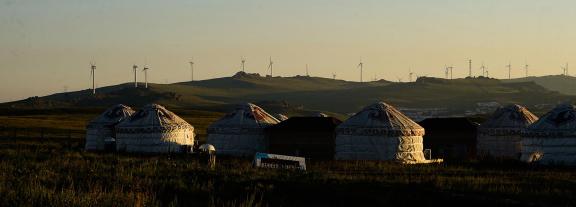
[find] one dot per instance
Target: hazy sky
(46, 45)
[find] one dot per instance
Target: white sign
(265, 160)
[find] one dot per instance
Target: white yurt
(101, 129)
(153, 129)
(241, 132)
(500, 136)
(552, 139)
(380, 132)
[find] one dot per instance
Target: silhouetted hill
(306, 95)
(561, 83)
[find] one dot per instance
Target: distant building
(100, 131)
(500, 136)
(154, 129)
(450, 138)
(310, 137)
(380, 132)
(241, 132)
(552, 139)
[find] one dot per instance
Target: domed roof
(380, 119)
(560, 122)
(510, 117)
(154, 116)
(112, 116)
(245, 116)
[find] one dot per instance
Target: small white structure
(101, 129)
(153, 129)
(281, 117)
(500, 136)
(552, 139)
(241, 132)
(265, 160)
(380, 132)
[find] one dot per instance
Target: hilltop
(305, 95)
(561, 83)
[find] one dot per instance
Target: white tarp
(380, 132)
(552, 139)
(500, 136)
(102, 127)
(154, 129)
(241, 132)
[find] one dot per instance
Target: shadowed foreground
(57, 172)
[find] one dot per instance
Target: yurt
(154, 129)
(552, 139)
(380, 132)
(100, 131)
(500, 135)
(241, 132)
(450, 138)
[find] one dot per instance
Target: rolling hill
(304, 95)
(561, 83)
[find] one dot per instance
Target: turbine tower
(360, 65)
(270, 66)
(135, 68)
(469, 67)
(243, 62)
(483, 69)
(307, 74)
(334, 76)
(92, 74)
(509, 70)
(526, 69)
(191, 70)
(451, 74)
(145, 70)
(565, 69)
(410, 74)
(446, 72)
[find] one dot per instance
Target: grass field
(57, 172)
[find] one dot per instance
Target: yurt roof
(380, 119)
(154, 117)
(560, 122)
(510, 117)
(245, 116)
(112, 116)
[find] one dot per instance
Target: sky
(46, 46)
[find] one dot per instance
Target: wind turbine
(410, 74)
(565, 69)
(451, 74)
(509, 70)
(334, 76)
(92, 74)
(469, 67)
(145, 70)
(307, 74)
(360, 65)
(135, 67)
(270, 66)
(526, 68)
(191, 69)
(483, 69)
(243, 62)
(446, 71)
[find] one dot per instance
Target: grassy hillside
(561, 83)
(59, 173)
(303, 95)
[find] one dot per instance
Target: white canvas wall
(237, 144)
(95, 137)
(155, 142)
(504, 146)
(403, 148)
(549, 150)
